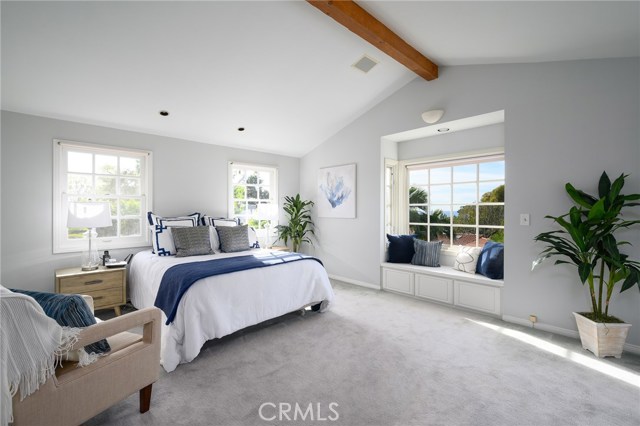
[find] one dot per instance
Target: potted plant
(300, 224)
(586, 239)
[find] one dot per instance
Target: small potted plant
(586, 239)
(300, 224)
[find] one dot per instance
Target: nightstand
(279, 248)
(107, 286)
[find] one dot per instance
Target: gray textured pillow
(233, 238)
(191, 241)
(427, 253)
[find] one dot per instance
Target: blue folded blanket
(177, 279)
(69, 310)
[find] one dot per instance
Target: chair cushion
(69, 310)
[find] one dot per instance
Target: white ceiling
(280, 69)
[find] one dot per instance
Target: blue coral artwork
(337, 192)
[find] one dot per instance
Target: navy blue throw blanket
(177, 279)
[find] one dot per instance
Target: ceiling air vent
(365, 64)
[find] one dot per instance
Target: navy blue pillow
(400, 248)
(69, 310)
(491, 261)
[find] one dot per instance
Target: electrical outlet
(533, 319)
(524, 219)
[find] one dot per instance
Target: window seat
(444, 285)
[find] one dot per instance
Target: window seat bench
(444, 285)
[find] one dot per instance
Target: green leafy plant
(300, 224)
(587, 241)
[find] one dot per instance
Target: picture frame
(337, 191)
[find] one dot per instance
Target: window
(121, 177)
(457, 202)
(253, 195)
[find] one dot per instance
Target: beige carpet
(381, 359)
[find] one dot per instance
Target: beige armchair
(74, 395)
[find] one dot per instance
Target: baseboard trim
(354, 282)
(628, 347)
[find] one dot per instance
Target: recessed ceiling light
(164, 113)
(241, 129)
(443, 129)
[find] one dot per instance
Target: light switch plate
(524, 219)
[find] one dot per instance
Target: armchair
(73, 395)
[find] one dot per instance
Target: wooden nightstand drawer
(106, 298)
(83, 284)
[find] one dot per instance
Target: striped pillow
(427, 253)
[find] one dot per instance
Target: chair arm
(149, 318)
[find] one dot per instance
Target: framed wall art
(337, 192)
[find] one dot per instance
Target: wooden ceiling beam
(365, 25)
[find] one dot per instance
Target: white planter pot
(603, 339)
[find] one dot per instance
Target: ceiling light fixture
(443, 129)
(241, 129)
(164, 113)
(432, 116)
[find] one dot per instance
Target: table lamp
(268, 212)
(89, 215)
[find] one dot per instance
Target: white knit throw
(30, 347)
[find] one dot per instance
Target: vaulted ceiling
(280, 69)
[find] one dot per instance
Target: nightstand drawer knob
(93, 282)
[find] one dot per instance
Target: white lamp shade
(432, 116)
(89, 215)
(267, 211)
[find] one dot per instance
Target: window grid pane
(463, 204)
(102, 180)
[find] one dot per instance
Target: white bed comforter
(217, 306)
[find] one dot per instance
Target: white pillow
(218, 221)
(161, 237)
(215, 241)
(467, 259)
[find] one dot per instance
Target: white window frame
(61, 244)
(273, 192)
(441, 161)
(391, 191)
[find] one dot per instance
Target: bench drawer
(400, 281)
(434, 288)
(476, 296)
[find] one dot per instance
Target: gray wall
(564, 122)
(187, 177)
(480, 138)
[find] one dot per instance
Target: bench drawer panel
(434, 288)
(477, 296)
(400, 281)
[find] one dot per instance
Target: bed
(219, 305)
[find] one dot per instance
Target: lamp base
(90, 268)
